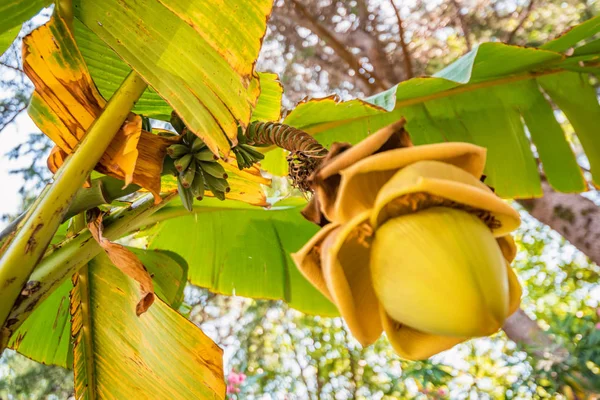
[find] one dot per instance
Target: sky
(11, 136)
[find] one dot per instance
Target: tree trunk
(526, 332)
(575, 217)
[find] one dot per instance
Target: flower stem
(306, 153)
(284, 136)
(31, 240)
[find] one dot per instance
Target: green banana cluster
(245, 154)
(196, 167)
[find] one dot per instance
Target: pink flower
(232, 378)
(598, 325)
(598, 311)
(235, 378)
(231, 389)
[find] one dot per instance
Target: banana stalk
(72, 254)
(103, 190)
(31, 241)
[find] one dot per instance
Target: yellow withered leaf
(56, 158)
(66, 102)
(127, 262)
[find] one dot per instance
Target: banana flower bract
(416, 245)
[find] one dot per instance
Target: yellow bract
(416, 244)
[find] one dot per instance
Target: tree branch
(13, 117)
(526, 332)
(575, 217)
(11, 67)
(526, 12)
(463, 24)
(406, 57)
(322, 32)
(363, 15)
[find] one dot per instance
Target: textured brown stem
(306, 153)
(284, 136)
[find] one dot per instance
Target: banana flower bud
(415, 245)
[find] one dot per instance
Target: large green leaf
(199, 56)
(268, 107)
(575, 96)
(232, 248)
(491, 97)
(45, 336)
(15, 12)
(108, 71)
(8, 37)
(118, 355)
(573, 36)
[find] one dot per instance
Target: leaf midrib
(469, 87)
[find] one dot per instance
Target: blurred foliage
(21, 378)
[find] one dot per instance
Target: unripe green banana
(242, 158)
(187, 176)
(213, 168)
(189, 136)
(219, 195)
(146, 125)
(205, 155)
(177, 150)
(186, 195)
(198, 185)
(197, 144)
(253, 153)
(216, 184)
(182, 163)
(177, 123)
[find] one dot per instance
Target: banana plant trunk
(26, 248)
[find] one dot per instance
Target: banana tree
(204, 194)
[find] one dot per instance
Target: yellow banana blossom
(416, 245)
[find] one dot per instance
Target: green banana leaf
(268, 107)
(118, 355)
(46, 335)
(495, 97)
(8, 37)
(235, 249)
(198, 56)
(108, 71)
(14, 12)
